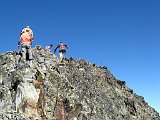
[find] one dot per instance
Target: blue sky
(123, 35)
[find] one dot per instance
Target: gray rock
(71, 90)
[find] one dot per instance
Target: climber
(62, 49)
(26, 39)
(47, 48)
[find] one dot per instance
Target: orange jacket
(26, 38)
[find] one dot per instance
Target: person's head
(27, 28)
(61, 43)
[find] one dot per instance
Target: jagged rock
(44, 88)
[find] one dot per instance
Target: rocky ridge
(70, 90)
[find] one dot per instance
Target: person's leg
(24, 51)
(29, 52)
(61, 54)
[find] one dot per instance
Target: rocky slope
(70, 90)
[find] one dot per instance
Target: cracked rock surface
(47, 89)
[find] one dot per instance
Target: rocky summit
(47, 88)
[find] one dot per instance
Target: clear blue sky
(123, 35)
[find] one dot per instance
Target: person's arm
(56, 49)
(19, 41)
(66, 46)
(32, 39)
(32, 35)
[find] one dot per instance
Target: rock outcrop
(46, 88)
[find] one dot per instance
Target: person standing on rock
(62, 49)
(26, 39)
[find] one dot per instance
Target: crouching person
(62, 50)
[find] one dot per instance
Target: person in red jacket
(62, 49)
(26, 39)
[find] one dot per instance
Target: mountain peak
(48, 88)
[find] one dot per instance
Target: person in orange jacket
(26, 39)
(62, 49)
